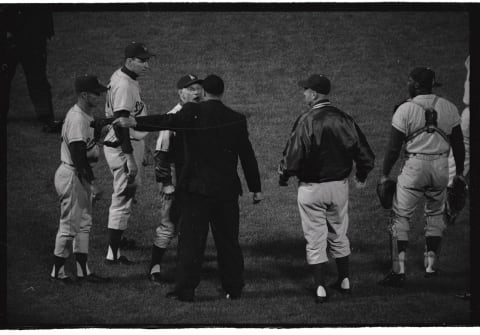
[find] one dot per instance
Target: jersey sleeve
(77, 129)
(123, 99)
(399, 121)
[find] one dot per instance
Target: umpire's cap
(213, 84)
(425, 77)
(89, 83)
(138, 50)
(317, 82)
(188, 80)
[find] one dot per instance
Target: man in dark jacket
(321, 150)
(208, 187)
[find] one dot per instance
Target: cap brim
(190, 83)
(303, 83)
(145, 55)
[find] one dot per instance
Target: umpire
(209, 186)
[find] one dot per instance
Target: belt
(426, 156)
(69, 166)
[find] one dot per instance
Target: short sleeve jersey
(124, 94)
(77, 128)
(164, 136)
(410, 116)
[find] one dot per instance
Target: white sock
(430, 261)
(80, 271)
(345, 284)
(321, 291)
(61, 273)
(110, 253)
(401, 262)
(155, 269)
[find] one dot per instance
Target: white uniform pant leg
(436, 195)
(410, 185)
(337, 219)
(166, 230)
(312, 205)
(139, 155)
(75, 212)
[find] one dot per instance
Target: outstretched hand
(125, 122)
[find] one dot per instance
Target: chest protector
(430, 127)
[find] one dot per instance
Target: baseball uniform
(123, 95)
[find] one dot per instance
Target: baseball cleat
(121, 260)
(53, 127)
(431, 274)
(393, 280)
(337, 286)
(321, 295)
(94, 278)
(232, 296)
(155, 277)
(64, 280)
(464, 296)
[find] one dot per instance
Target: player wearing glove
(321, 150)
(428, 125)
(75, 182)
(169, 162)
(124, 149)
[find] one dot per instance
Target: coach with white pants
(321, 150)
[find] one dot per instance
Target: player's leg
(312, 201)
(34, 62)
(64, 180)
(407, 195)
(164, 234)
(436, 197)
(120, 207)
(337, 221)
(225, 229)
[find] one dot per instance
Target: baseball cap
(213, 84)
(425, 77)
(137, 50)
(89, 83)
(188, 80)
(317, 82)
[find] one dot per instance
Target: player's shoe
(393, 280)
(233, 295)
(52, 127)
(94, 278)
(464, 296)
(120, 260)
(65, 280)
(321, 295)
(337, 286)
(155, 277)
(431, 274)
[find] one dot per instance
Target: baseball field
(261, 55)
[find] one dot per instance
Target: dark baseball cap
(425, 77)
(213, 84)
(138, 50)
(188, 80)
(317, 82)
(89, 83)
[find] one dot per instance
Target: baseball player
(465, 125)
(169, 160)
(75, 182)
(428, 125)
(124, 149)
(321, 150)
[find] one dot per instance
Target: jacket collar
(129, 73)
(321, 103)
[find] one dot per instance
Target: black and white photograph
(259, 164)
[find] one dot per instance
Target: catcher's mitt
(385, 192)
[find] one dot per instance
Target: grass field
(261, 56)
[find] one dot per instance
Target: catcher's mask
(385, 192)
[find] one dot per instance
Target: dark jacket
(323, 145)
(215, 137)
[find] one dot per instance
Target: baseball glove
(385, 192)
(457, 194)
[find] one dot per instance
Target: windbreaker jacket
(323, 145)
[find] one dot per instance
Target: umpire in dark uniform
(209, 186)
(25, 30)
